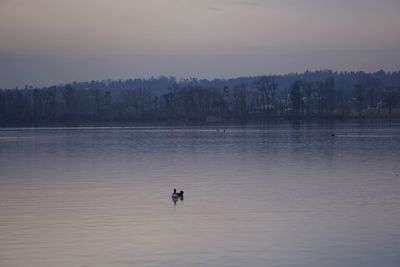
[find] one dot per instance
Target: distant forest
(308, 95)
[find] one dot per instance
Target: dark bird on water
(176, 195)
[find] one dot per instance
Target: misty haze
(185, 133)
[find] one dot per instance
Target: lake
(280, 194)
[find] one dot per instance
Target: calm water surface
(273, 195)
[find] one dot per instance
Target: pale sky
(44, 42)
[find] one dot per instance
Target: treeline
(323, 94)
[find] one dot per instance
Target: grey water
(282, 194)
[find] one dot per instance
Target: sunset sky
(45, 42)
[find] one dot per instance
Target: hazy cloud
(45, 41)
(212, 8)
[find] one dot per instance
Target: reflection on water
(271, 195)
(176, 199)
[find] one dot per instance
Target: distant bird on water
(176, 195)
